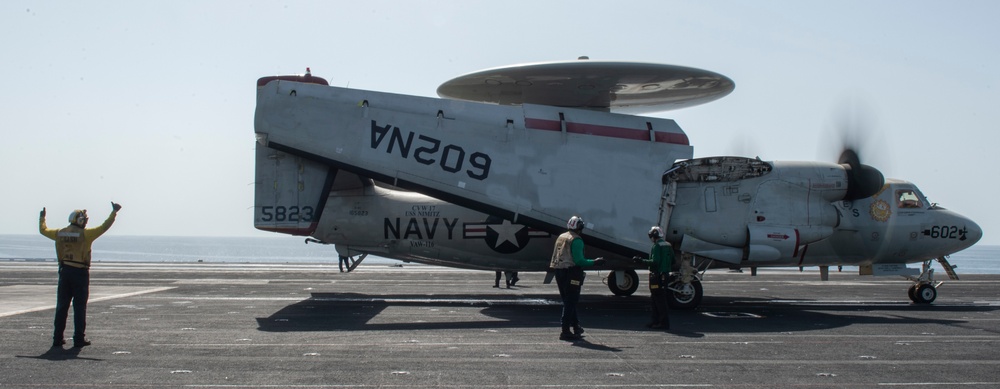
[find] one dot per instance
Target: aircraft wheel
(925, 294)
(912, 292)
(631, 283)
(689, 296)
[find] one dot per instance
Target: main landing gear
(924, 288)
(685, 286)
(628, 283)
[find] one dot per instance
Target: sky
(150, 104)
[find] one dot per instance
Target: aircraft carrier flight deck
(310, 326)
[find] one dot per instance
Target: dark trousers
(74, 287)
(658, 296)
(510, 278)
(570, 294)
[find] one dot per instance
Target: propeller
(862, 180)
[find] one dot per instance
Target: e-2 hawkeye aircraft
(486, 177)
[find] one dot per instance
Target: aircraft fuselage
(410, 226)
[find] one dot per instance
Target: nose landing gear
(922, 293)
(924, 288)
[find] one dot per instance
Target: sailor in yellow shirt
(73, 244)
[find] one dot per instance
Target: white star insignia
(506, 232)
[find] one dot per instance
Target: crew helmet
(575, 223)
(78, 217)
(655, 232)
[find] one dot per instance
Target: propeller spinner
(862, 180)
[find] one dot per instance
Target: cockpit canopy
(909, 198)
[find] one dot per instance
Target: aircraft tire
(925, 294)
(685, 300)
(912, 292)
(631, 283)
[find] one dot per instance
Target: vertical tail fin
(289, 192)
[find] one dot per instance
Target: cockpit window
(907, 198)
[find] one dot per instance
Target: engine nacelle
(800, 194)
(735, 207)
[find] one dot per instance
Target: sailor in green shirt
(660, 261)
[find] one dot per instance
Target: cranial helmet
(575, 223)
(655, 232)
(78, 217)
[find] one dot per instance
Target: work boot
(569, 336)
(566, 335)
(81, 343)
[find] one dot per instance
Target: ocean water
(978, 259)
(168, 249)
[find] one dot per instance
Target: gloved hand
(42, 214)
(599, 261)
(115, 206)
(637, 259)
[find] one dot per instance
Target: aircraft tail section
(289, 192)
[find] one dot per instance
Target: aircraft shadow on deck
(360, 312)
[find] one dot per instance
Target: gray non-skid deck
(310, 326)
